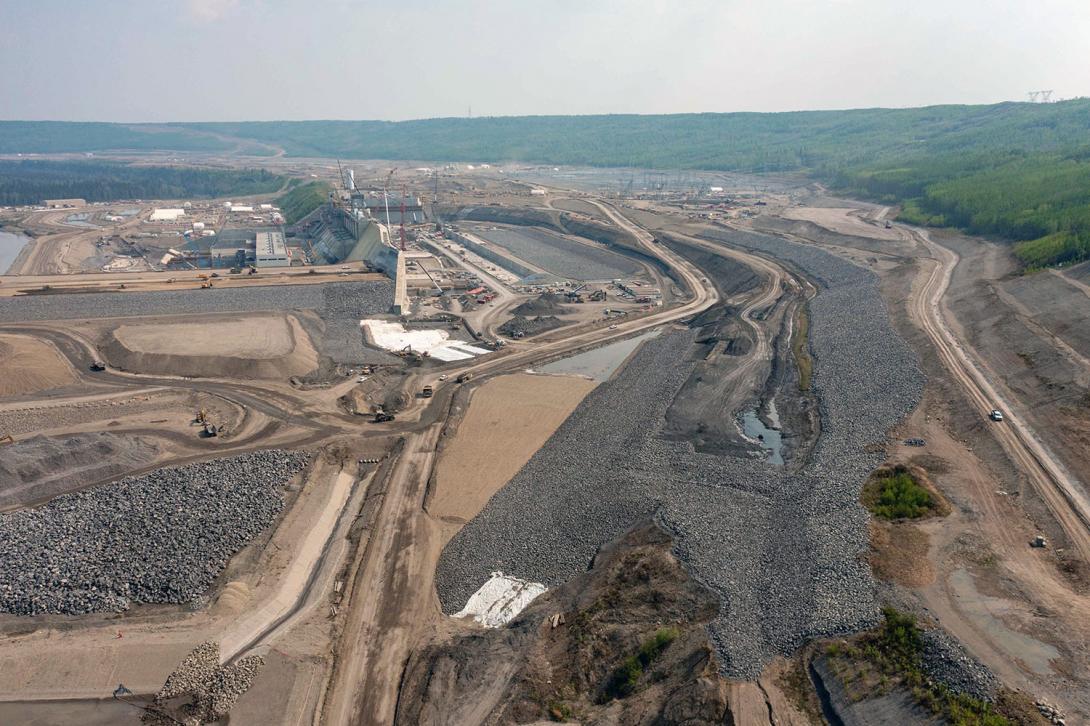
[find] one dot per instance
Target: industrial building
(270, 250)
(63, 203)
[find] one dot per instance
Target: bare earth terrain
(345, 593)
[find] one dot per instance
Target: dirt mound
(520, 327)
(31, 365)
(547, 304)
(40, 468)
(630, 647)
(267, 346)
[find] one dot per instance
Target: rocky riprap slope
(783, 548)
(162, 537)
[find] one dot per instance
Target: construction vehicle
(210, 430)
(383, 417)
(7, 439)
(206, 285)
(1039, 541)
(996, 415)
(202, 276)
(889, 225)
(427, 392)
(462, 378)
(98, 365)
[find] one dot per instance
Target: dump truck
(98, 365)
(427, 392)
(383, 417)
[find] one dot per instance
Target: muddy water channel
(769, 439)
(10, 245)
(598, 364)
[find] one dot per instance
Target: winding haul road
(392, 596)
(1063, 495)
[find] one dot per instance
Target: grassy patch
(895, 494)
(892, 656)
(800, 349)
(303, 199)
(626, 677)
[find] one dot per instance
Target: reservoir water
(10, 245)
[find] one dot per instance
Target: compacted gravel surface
(162, 537)
(558, 254)
(782, 546)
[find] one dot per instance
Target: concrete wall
(491, 255)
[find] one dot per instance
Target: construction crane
(385, 195)
(403, 192)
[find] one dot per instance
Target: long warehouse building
(271, 250)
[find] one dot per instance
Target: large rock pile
(335, 301)
(158, 538)
(782, 548)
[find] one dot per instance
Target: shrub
(895, 494)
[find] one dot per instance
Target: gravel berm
(783, 548)
(334, 301)
(162, 537)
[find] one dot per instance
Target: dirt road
(1063, 495)
(389, 595)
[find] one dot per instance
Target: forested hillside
(302, 200)
(29, 182)
(1013, 170)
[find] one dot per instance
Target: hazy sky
(184, 60)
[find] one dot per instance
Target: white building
(271, 250)
(166, 215)
(241, 208)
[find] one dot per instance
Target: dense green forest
(29, 182)
(302, 200)
(1012, 170)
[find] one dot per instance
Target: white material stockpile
(500, 599)
(436, 343)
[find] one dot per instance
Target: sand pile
(31, 365)
(242, 346)
(40, 468)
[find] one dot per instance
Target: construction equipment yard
(657, 410)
